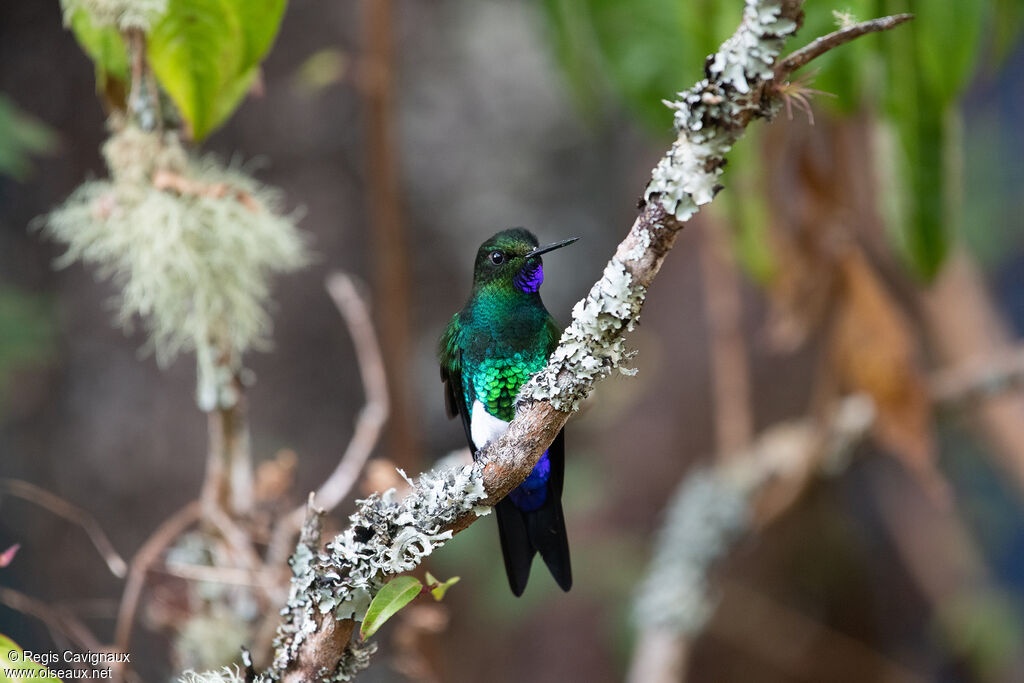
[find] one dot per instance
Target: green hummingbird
(490, 348)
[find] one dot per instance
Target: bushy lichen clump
(385, 537)
(225, 675)
(593, 345)
(192, 246)
(706, 114)
(121, 14)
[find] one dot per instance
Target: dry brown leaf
(873, 350)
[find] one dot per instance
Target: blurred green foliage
(205, 55)
(104, 46)
(26, 331)
(22, 137)
(13, 658)
(646, 50)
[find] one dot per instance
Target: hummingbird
(489, 349)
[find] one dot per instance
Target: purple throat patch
(530, 277)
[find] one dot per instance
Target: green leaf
(22, 137)
(1007, 22)
(398, 593)
(947, 35)
(439, 588)
(206, 54)
(12, 658)
(104, 45)
(259, 20)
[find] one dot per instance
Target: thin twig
(235, 576)
(238, 539)
(57, 620)
(375, 413)
(820, 46)
(979, 378)
(164, 535)
(368, 425)
(964, 325)
(72, 513)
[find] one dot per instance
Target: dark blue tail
(537, 530)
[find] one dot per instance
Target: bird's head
(512, 259)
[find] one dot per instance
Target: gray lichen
(703, 519)
(711, 510)
(593, 345)
(121, 14)
(225, 675)
(191, 244)
(706, 114)
(385, 537)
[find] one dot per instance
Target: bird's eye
(497, 258)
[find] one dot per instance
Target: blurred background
(864, 252)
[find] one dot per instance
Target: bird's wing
(451, 375)
(554, 333)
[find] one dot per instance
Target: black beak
(550, 247)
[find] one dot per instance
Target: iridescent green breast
(501, 346)
(495, 382)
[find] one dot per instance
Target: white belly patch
(483, 426)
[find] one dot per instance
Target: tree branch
(72, 513)
(332, 588)
(164, 535)
(368, 425)
(820, 46)
(713, 508)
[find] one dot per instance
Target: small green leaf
(259, 20)
(13, 662)
(104, 45)
(439, 588)
(947, 35)
(398, 593)
(23, 137)
(321, 69)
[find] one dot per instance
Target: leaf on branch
(104, 46)
(206, 55)
(395, 595)
(438, 588)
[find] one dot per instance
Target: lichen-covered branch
(332, 588)
(713, 508)
(710, 510)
